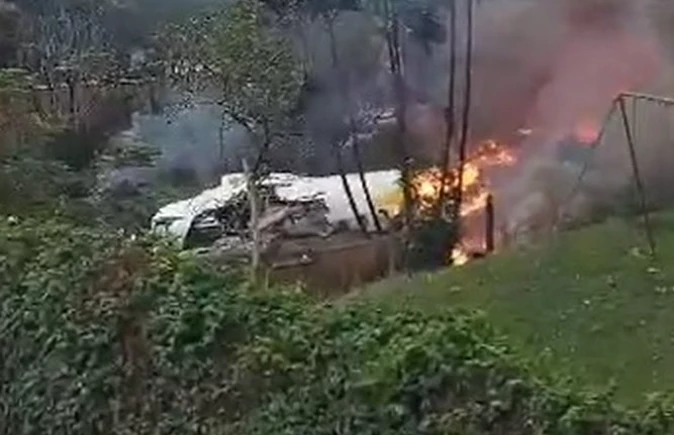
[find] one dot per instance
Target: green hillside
(591, 304)
(102, 334)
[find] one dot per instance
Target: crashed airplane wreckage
(287, 199)
(300, 219)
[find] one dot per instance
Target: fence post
(489, 230)
(251, 189)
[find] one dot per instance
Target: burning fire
(475, 185)
(459, 256)
(476, 189)
(587, 131)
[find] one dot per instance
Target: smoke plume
(553, 68)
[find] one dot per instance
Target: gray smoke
(597, 50)
(190, 138)
(554, 67)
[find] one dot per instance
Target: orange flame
(459, 257)
(427, 184)
(587, 131)
(476, 188)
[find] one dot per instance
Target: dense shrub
(431, 242)
(101, 335)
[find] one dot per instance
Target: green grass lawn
(591, 304)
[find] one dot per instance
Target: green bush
(105, 335)
(432, 242)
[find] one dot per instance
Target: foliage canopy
(232, 58)
(102, 334)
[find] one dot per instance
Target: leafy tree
(34, 181)
(103, 334)
(14, 108)
(124, 201)
(132, 23)
(328, 11)
(419, 20)
(29, 181)
(424, 21)
(232, 58)
(45, 168)
(9, 33)
(66, 40)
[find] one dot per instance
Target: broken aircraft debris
(218, 219)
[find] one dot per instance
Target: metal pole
(577, 185)
(637, 175)
(647, 97)
(489, 230)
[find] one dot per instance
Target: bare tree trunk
(449, 112)
(355, 144)
(72, 110)
(396, 69)
(347, 188)
(221, 139)
(395, 64)
(463, 144)
(264, 149)
(336, 146)
(254, 219)
(307, 62)
(363, 181)
(357, 156)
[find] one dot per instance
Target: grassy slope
(590, 303)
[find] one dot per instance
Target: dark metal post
(637, 175)
(489, 230)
